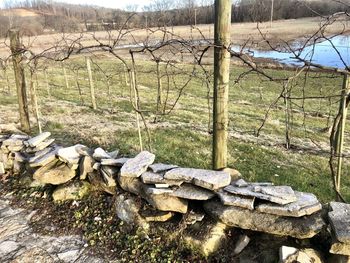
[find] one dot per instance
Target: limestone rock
(286, 252)
(132, 185)
(137, 165)
(158, 191)
(128, 211)
(100, 154)
(114, 162)
(291, 255)
(73, 191)
(100, 182)
(339, 218)
(44, 144)
(240, 183)
(306, 204)
(236, 200)
(111, 171)
(209, 239)
(40, 154)
(84, 150)
(45, 159)
(69, 154)
(85, 166)
(208, 179)
(2, 168)
(54, 173)
(161, 167)
(242, 242)
(156, 216)
(192, 192)
(38, 139)
(277, 194)
(156, 178)
(340, 248)
(304, 227)
(166, 202)
(235, 174)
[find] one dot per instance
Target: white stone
(137, 165)
(38, 139)
(69, 154)
(236, 200)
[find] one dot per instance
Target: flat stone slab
(192, 192)
(158, 191)
(208, 179)
(236, 200)
(161, 167)
(37, 139)
(100, 154)
(69, 154)
(340, 248)
(138, 165)
(306, 204)
(298, 227)
(339, 218)
(85, 166)
(273, 194)
(45, 159)
(156, 178)
(114, 162)
(44, 144)
(55, 173)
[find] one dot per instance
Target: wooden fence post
(339, 139)
(20, 79)
(221, 82)
(91, 82)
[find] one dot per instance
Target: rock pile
(76, 169)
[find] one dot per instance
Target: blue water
(322, 53)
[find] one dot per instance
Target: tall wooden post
(20, 79)
(339, 139)
(91, 81)
(221, 82)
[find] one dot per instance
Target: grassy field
(182, 137)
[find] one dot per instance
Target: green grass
(182, 137)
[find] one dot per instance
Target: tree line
(62, 17)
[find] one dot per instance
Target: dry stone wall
(258, 206)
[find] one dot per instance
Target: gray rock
(102, 182)
(306, 204)
(287, 252)
(114, 154)
(38, 139)
(55, 173)
(100, 154)
(2, 168)
(157, 216)
(340, 248)
(132, 185)
(236, 200)
(240, 183)
(137, 165)
(73, 191)
(69, 154)
(111, 171)
(339, 217)
(85, 166)
(128, 211)
(109, 180)
(252, 191)
(156, 178)
(161, 167)
(208, 179)
(303, 227)
(40, 154)
(114, 162)
(84, 150)
(192, 192)
(283, 192)
(165, 202)
(241, 244)
(158, 191)
(45, 159)
(41, 146)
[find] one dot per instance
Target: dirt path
(19, 243)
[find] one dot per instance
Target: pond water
(322, 53)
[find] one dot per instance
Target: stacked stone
(339, 218)
(74, 170)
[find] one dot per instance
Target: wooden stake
(341, 130)
(20, 80)
(221, 82)
(91, 81)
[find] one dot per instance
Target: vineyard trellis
(164, 72)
